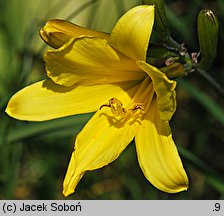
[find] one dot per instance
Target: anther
(118, 110)
(138, 107)
(104, 105)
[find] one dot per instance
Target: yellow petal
(45, 100)
(157, 154)
(58, 32)
(165, 90)
(99, 143)
(89, 61)
(132, 32)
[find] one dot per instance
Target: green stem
(174, 44)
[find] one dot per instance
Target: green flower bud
(174, 70)
(208, 37)
(161, 24)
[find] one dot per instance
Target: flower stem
(171, 41)
(175, 45)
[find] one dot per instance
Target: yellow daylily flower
(107, 73)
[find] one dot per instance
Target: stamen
(104, 105)
(118, 110)
(138, 106)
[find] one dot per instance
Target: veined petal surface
(58, 32)
(89, 61)
(45, 100)
(164, 88)
(132, 32)
(157, 153)
(99, 143)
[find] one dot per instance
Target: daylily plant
(92, 71)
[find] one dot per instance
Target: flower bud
(174, 70)
(161, 24)
(208, 37)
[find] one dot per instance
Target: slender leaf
(213, 107)
(32, 129)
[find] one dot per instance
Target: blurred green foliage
(34, 156)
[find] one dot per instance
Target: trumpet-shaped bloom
(108, 74)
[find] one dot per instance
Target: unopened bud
(161, 24)
(174, 70)
(208, 37)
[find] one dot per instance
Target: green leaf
(211, 176)
(204, 100)
(34, 129)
